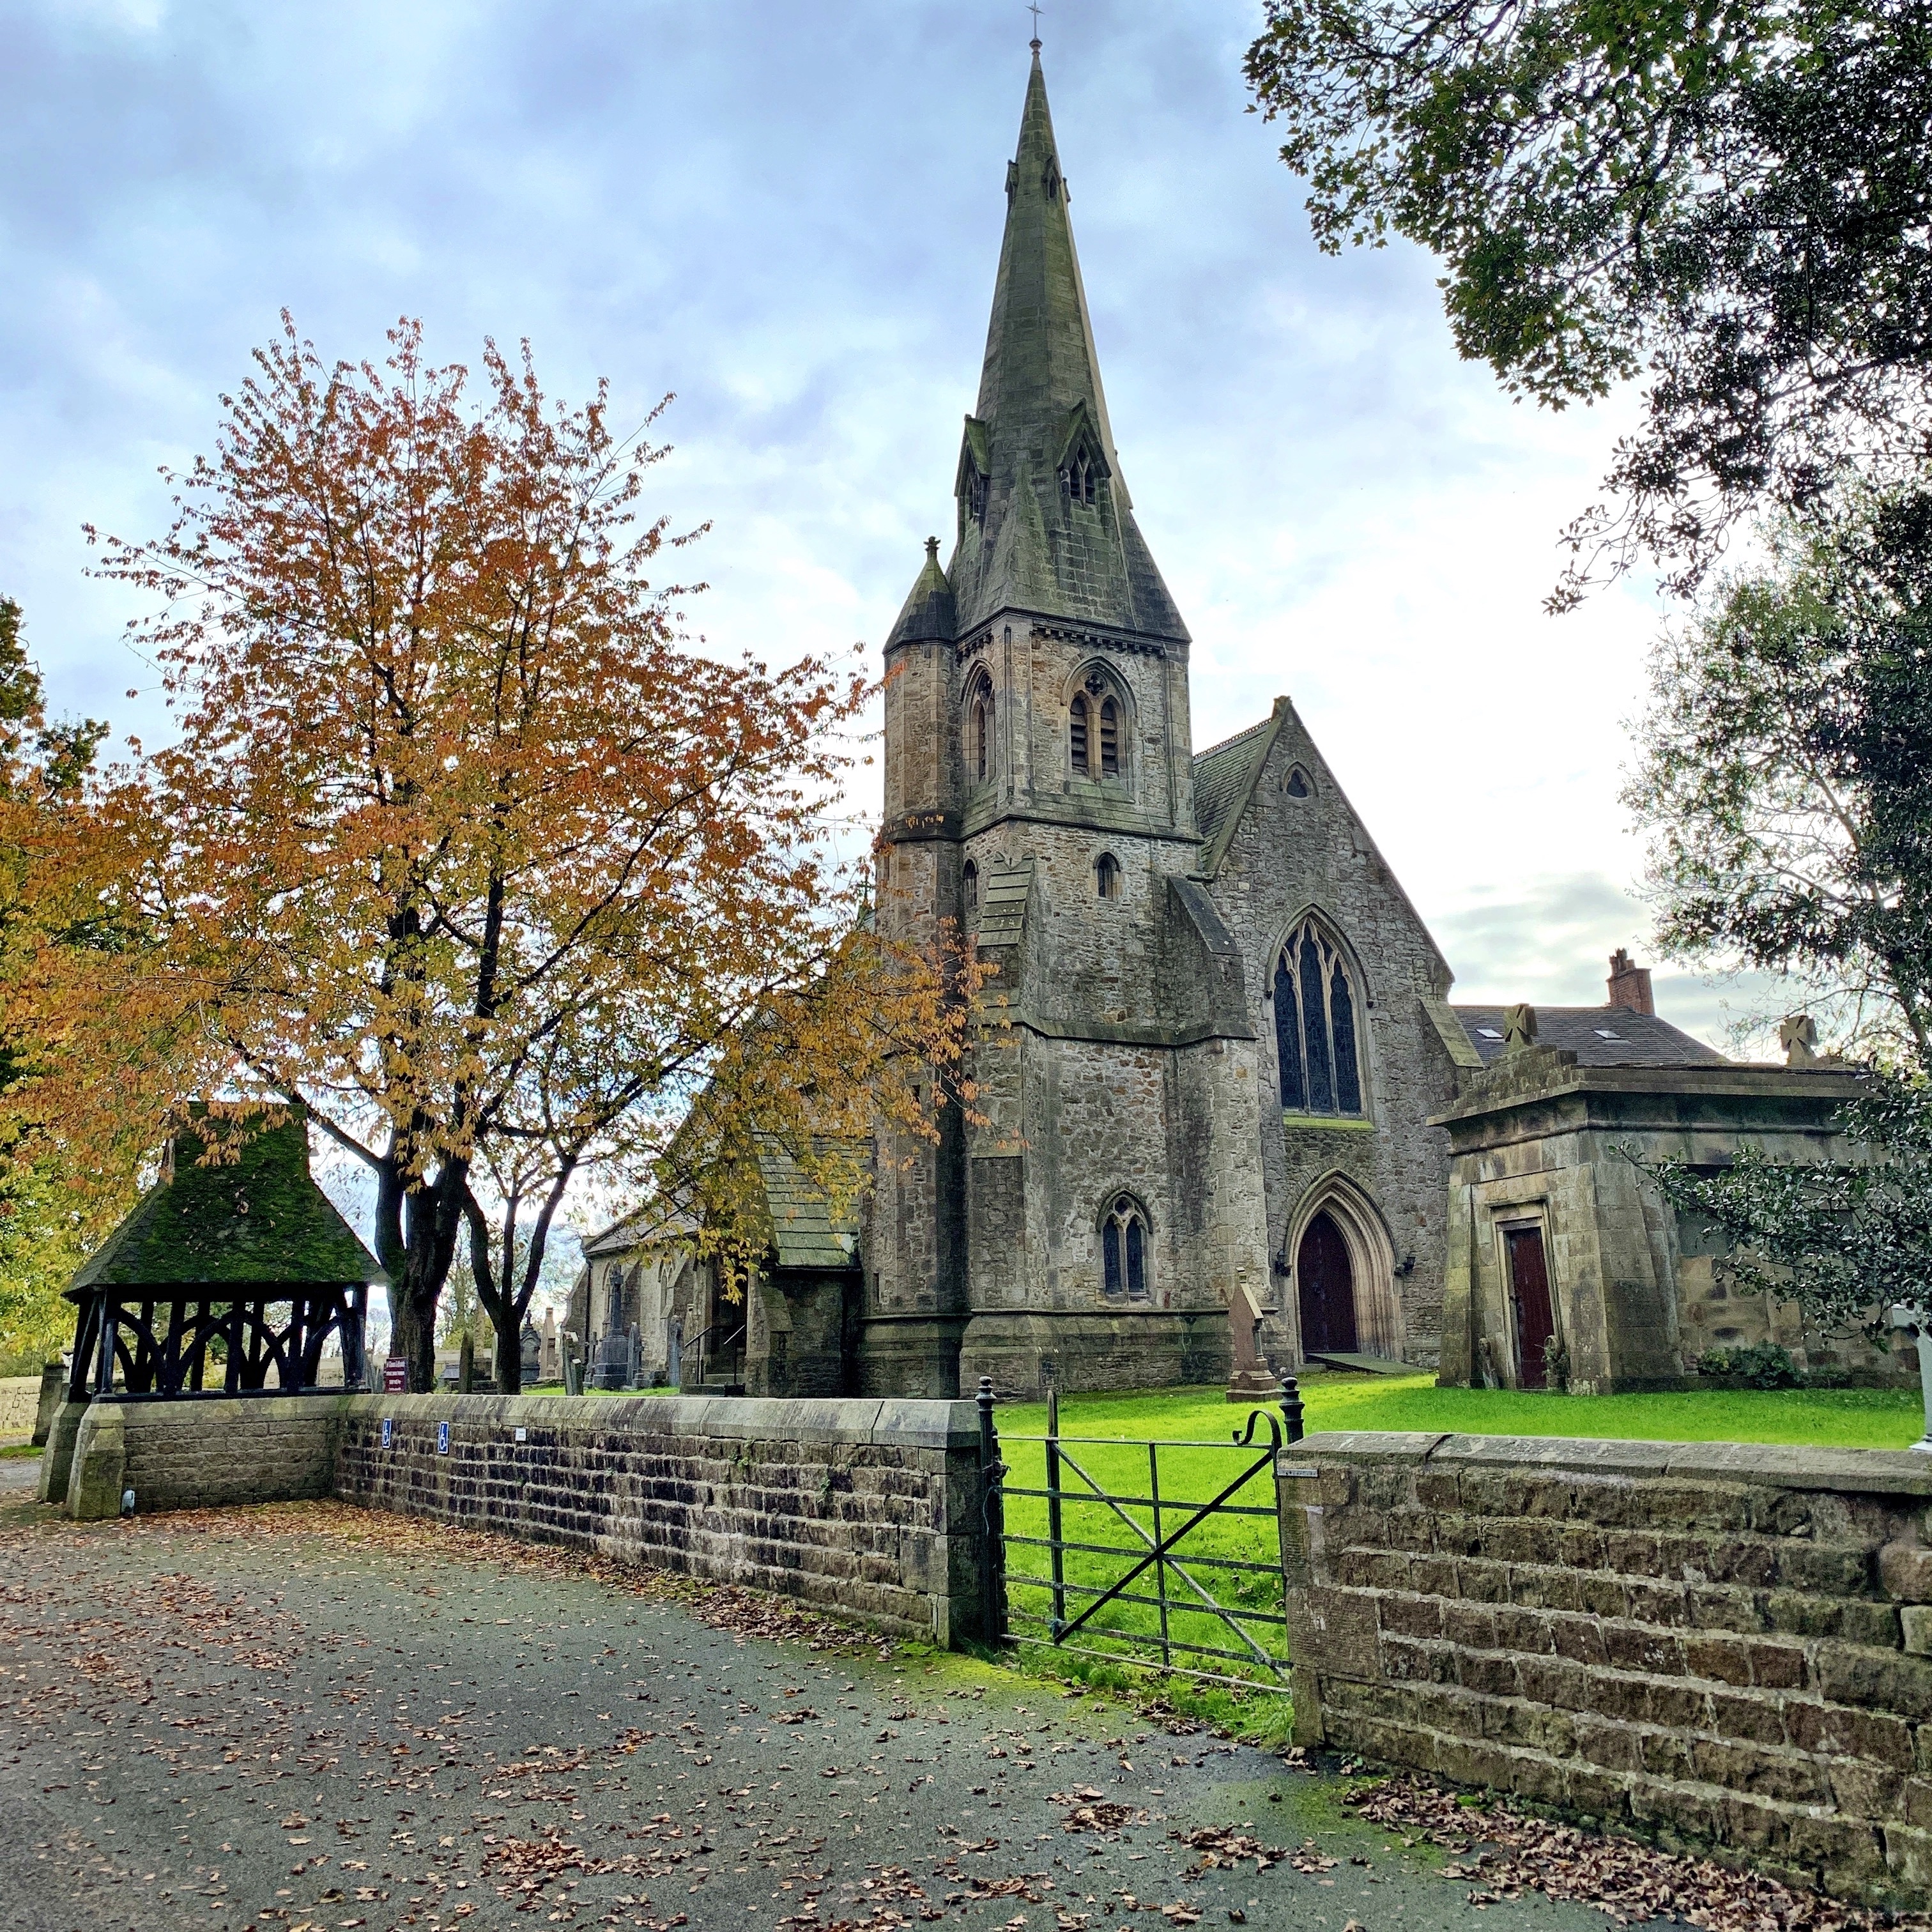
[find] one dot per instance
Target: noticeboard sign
(396, 1375)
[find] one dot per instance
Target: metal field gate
(1164, 1556)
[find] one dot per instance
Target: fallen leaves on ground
(1632, 1882)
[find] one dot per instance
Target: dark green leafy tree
(1783, 773)
(1845, 1239)
(1731, 202)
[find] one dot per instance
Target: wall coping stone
(1770, 1465)
(907, 1422)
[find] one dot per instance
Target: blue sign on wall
(443, 1438)
(387, 1426)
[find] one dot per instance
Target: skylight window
(1604, 1033)
(1487, 1033)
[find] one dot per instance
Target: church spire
(1045, 523)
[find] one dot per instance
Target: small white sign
(522, 1435)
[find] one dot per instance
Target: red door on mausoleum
(1328, 1286)
(1529, 1290)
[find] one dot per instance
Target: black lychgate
(233, 1274)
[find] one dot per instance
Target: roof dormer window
(1081, 475)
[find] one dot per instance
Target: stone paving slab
(310, 1717)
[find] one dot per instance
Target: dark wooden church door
(1327, 1285)
(1529, 1290)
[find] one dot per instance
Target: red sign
(396, 1375)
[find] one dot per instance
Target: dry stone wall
(1718, 1645)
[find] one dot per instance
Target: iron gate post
(1053, 1510)
(993, 1527)
(1291, 1409)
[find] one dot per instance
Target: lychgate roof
(253, 1218)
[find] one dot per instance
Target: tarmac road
(312, 1717)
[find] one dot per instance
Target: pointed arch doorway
(1326, 1277)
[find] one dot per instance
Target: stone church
(1219, 1028)
(1217, 1066)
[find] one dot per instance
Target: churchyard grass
(1840, 1418)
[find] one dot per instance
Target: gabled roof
(255, 1220)
(1597, 1035)
(805, 1234)
(1033, 551)
(1224, 776)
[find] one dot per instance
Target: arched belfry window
(1095, 718)
(1316, 1028)
(1125, 1274)
(979, 730)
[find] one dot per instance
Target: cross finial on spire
(1034, 10)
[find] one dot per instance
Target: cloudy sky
(790, 216)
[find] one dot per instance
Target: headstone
(550, 1366)
(532, 1351)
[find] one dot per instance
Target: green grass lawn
(1834, 1418)
(1118, 1464)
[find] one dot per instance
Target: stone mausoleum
(1218, 1070)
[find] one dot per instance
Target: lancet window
(979, 730)
(1125, 1273)
(1316, 1006)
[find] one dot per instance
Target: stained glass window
(1317, 1036)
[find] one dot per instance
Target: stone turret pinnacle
(1045, 524)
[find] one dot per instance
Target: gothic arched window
(1081, 475)
(1107, 877)
(1096, 719)
(1315, 1026)
(1123, 1250)
(970, 888)
(1077, 732)
(1110, 738)
(979, 730)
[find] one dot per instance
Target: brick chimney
(1630, 985)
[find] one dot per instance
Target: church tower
(1096, 1227)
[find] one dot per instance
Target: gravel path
(313, 1716)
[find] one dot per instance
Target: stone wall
(1718, 1645)
(865, 1507)
(210, 1453)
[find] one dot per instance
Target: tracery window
(1081, 475)
(1093, 718)
(1123, 1250)
(1316, 1005)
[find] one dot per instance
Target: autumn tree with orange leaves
(463, 844)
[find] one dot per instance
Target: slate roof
(1033, 550)
(929, 613)
(1635, 1039)
(1003, 905)
(258, 1220)
(804, 1234)
(1223, 774)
